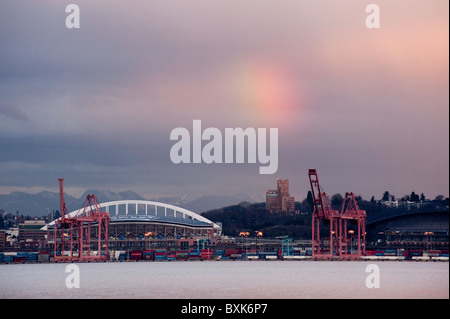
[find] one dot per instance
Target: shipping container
(194, 255)
(207, 254)
(230, 252)
(182, 255)
(238, 256)
(136, 255)
(434, 253)
(415, 253)
(159, 257)
(390, 254)
(18, 259)
(43, 258)
(8, 259)
(219, 253)
(264, 254)
(171, 256)
(160, 252)
(32, 257)
(148, 254)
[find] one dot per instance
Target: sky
(367, 107)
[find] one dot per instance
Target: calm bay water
(227, 279)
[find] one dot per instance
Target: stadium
(142, 225)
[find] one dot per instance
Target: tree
(306, 206)
(386, 196)
(414, 197)
(337, 200)
(56, 215)
(309, 199)
(372, 200)
(422, 197)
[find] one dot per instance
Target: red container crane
(73, 238)
(341, 238)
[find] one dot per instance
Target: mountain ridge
(42, 203)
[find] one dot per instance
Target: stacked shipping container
(208, 254)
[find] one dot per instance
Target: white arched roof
(141, 208)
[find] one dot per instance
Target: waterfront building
(30, 234)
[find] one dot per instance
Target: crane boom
(321, 201)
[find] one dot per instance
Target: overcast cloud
(367, 107)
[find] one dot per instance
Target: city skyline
(367, 108)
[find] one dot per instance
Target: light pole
(258, 234)
(428, 234)
(244, 234)
(148, 235)
(351, 233)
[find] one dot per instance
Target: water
(227, 279)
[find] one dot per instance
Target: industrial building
(410, 230)
(30, 235)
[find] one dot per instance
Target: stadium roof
(147, 211)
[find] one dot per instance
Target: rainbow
(267, 92)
